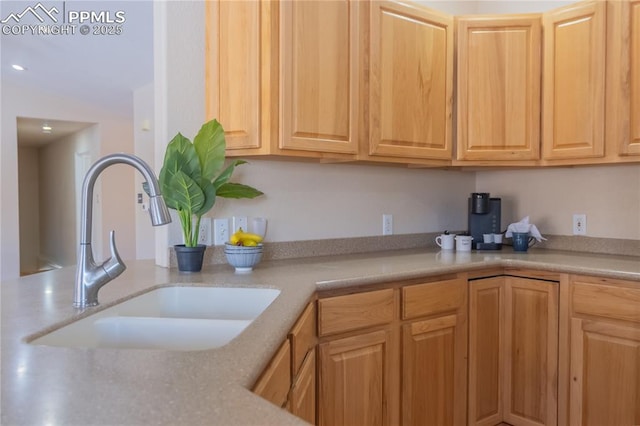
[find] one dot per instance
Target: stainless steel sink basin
(169, 318)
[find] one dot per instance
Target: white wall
(144, 140)
(29, 206)
(117, 189)
(306, 201)
(519, 6)
(609, 195)
(59, 201)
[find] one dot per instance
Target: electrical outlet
(204, 234)
(580, 224)
(387, 224)
(221, 231)
(240, 222)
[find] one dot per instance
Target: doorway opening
(53, 157)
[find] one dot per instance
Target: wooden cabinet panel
(434, 371)
(275, 382)
(433, 298)
(513, 351)
(531, 356)
(623, 75)
(411, 81)
(303, 390)
(237, 84)
(355, 379)
(320, 75)
(604, 381)
(498, 90)
(355, 311)
(574, 81)
(605, 374)
(486, 354)
(605, 300)
(303, 337)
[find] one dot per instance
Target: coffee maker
(484, 218)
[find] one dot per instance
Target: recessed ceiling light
(46, 128)
(18, 67)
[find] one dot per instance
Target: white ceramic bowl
(231, 248)
(244, 260)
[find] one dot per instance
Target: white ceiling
(101, 69)
(30, 132)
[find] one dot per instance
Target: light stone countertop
(77, 386)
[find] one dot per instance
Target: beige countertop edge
(71, 386)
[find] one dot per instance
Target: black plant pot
(190, 258)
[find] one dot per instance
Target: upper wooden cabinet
(372, 81)
(236, 93)
(319, 67)
(574, 81)
(410, 81)
(623, 76)
(282, 77)
(498, 87)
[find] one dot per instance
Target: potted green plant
(192, 176)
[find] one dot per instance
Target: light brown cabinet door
(355, 376)
(531, 355)
(604, 379)
(623, 75)
(513, 351)
(275, 382)
(605, 374)
(498, 90)
(486, 354)
(574, 81)
(303, 390)
(434, 371)
(238, 68)
(319, 75)
(411, 81)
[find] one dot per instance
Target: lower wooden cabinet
(355, 380)
(505, 349)
(605, 352)
(275, 381)
(513, 351)
(394, 356)
(303, 390)
(434, 353)
(289, 381)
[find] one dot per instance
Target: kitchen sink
(168, 318)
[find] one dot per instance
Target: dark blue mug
(522, 241)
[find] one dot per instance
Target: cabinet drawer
(303, 337)
(432, 298)
(355, 311)
(275, 382)
(608, 301)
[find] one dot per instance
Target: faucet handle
(113, 266)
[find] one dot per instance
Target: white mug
(445, 241)
(497, 238)
(488, 238)
(463, 242)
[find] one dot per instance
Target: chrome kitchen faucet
(90, 277)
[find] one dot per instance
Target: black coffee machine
(484, 218)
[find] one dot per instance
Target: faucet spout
(90, 277)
